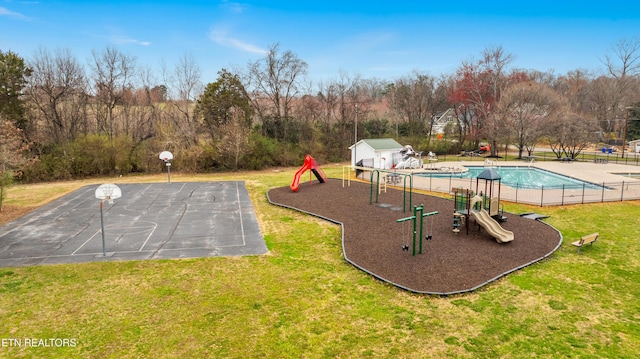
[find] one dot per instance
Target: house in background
(379, 153)
(441, 121)
(634, 146)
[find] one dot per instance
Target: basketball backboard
(108, 191)
(166, 156)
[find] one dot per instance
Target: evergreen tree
(13, 79)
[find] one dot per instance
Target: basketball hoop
(167, 156)
(109, 192)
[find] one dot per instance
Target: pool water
(522, 177)
(628, 174)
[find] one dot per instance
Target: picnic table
(393, 178)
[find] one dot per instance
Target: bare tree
(142, 115)
(624, 65)
(576, 87)
(113, 75)
(525, 110)
(604, 104)
(185, 86)
(569, 134)
(478, 87)
(341, 103)
(417, 100)
(275, 80)
(57, 90)
(625, 58)
(410, 98)
(234, 137)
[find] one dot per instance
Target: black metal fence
(629, 158)
(549, 196)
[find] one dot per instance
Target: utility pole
(626, 123)
(355, 136)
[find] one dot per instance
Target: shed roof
(380, 143)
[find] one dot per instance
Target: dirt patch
(9, 213)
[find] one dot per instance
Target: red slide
(309, 164)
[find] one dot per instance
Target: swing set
(418, 213)
(407, 176)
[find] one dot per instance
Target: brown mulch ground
(450, 263)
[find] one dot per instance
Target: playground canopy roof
(489, 174)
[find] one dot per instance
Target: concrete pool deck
(618, 187)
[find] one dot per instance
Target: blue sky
(382, 39)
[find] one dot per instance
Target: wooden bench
(588, 239)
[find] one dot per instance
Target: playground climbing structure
(309, 164)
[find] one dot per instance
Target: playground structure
(411, 159)
(309, 164)
(418, 215)
(372, 238)
(492, 226)
(468, 204)
(491, 202)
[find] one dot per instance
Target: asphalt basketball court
(148, 221)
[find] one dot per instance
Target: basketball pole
(104, 252)
(168, 171)
(167, 156)
(106, 192)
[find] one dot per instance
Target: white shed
(634, 146)
(377, 153)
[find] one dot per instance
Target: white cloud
(221, 38)
(123, 40)
(8, 13)
(233, 7)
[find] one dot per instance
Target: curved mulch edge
(311, 210)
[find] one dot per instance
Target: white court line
(155, 225)
(240, 210)
(85, 242)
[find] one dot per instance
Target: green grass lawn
(302, 300)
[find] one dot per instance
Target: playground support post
(348, 175)
(371, 187)
(404, 188)
(404, 191)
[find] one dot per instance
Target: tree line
(114, 116)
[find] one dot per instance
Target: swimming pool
(627, 174)
(522, 177)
